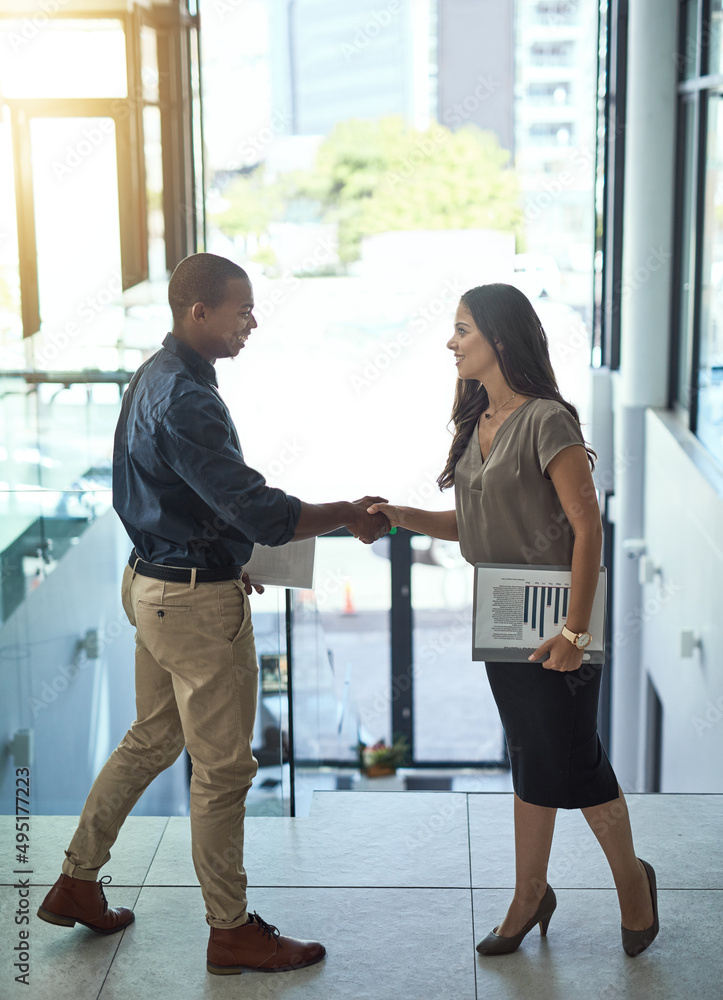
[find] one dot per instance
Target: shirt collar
(190, 357)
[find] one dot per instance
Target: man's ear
(198, 312)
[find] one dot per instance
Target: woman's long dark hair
(503, 313)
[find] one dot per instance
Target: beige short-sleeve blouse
(508, 510)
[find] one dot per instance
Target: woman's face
(473, 354)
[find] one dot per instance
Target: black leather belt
(180, 574)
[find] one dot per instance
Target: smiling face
(224, 329)
(474, 356)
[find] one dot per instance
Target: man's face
(227, 327)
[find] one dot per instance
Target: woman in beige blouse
(524, 494)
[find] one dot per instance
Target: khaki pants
(196, 684)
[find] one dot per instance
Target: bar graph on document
(516, 608)
(538, 600)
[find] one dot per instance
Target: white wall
(642, 380)
(684, 533)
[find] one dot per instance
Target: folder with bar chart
(517, 607)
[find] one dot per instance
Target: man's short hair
(201, 277)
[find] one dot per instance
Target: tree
(252, 205)
(379, 176)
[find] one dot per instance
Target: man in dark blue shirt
(193, 510)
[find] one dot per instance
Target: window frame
(173, 27)
(693, 91)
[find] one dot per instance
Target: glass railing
(67, 649)
(37, 528)
(55, 473)
(272, 791)
(353, 661)
(455, 716)
(348, 685)
(327, 680)
(67, 655)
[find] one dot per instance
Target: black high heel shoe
(634, 942)
(496, 944)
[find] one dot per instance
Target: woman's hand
(394, 515)
(563, 654)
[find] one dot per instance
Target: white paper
(516, 608)
(290, 565)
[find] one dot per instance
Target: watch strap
(574, 636)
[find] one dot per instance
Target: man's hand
(562, 654)
(368, 527)
(248, 586)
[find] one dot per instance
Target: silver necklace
(488, 416)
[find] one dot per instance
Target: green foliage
(379, 176)
(267, 258)
(381, 755)
(9, 297)
(253, 205)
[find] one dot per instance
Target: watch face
(584, 639)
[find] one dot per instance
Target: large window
(364, 188)
(99, 121)
(710, 358)
(697, 376)
(687, 257)
(101, 159)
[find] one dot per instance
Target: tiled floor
(399, 886)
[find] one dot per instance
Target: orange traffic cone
(349, 606)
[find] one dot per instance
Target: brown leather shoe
(75, 900)
(258, 946)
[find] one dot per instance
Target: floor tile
(50, 835)
(385, 806)
(483, 781)
(491, 840)
(582, 954)
(65, 963)
(396, 838)
(688, 856)
(172, 864)
(378, 935)
(376, 941)
(350, 838)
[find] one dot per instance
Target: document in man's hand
(517, 607)
(290, 565)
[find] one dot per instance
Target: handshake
(366, 526)
(367, 519)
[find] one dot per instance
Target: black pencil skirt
(550, 724)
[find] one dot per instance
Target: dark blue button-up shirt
(180, 484)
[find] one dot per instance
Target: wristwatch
(579, 639)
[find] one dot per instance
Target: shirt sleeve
(195, 439)
(558, 429)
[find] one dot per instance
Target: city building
(555, 136)
(353, 60)
(445, 60)
(476, 66)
